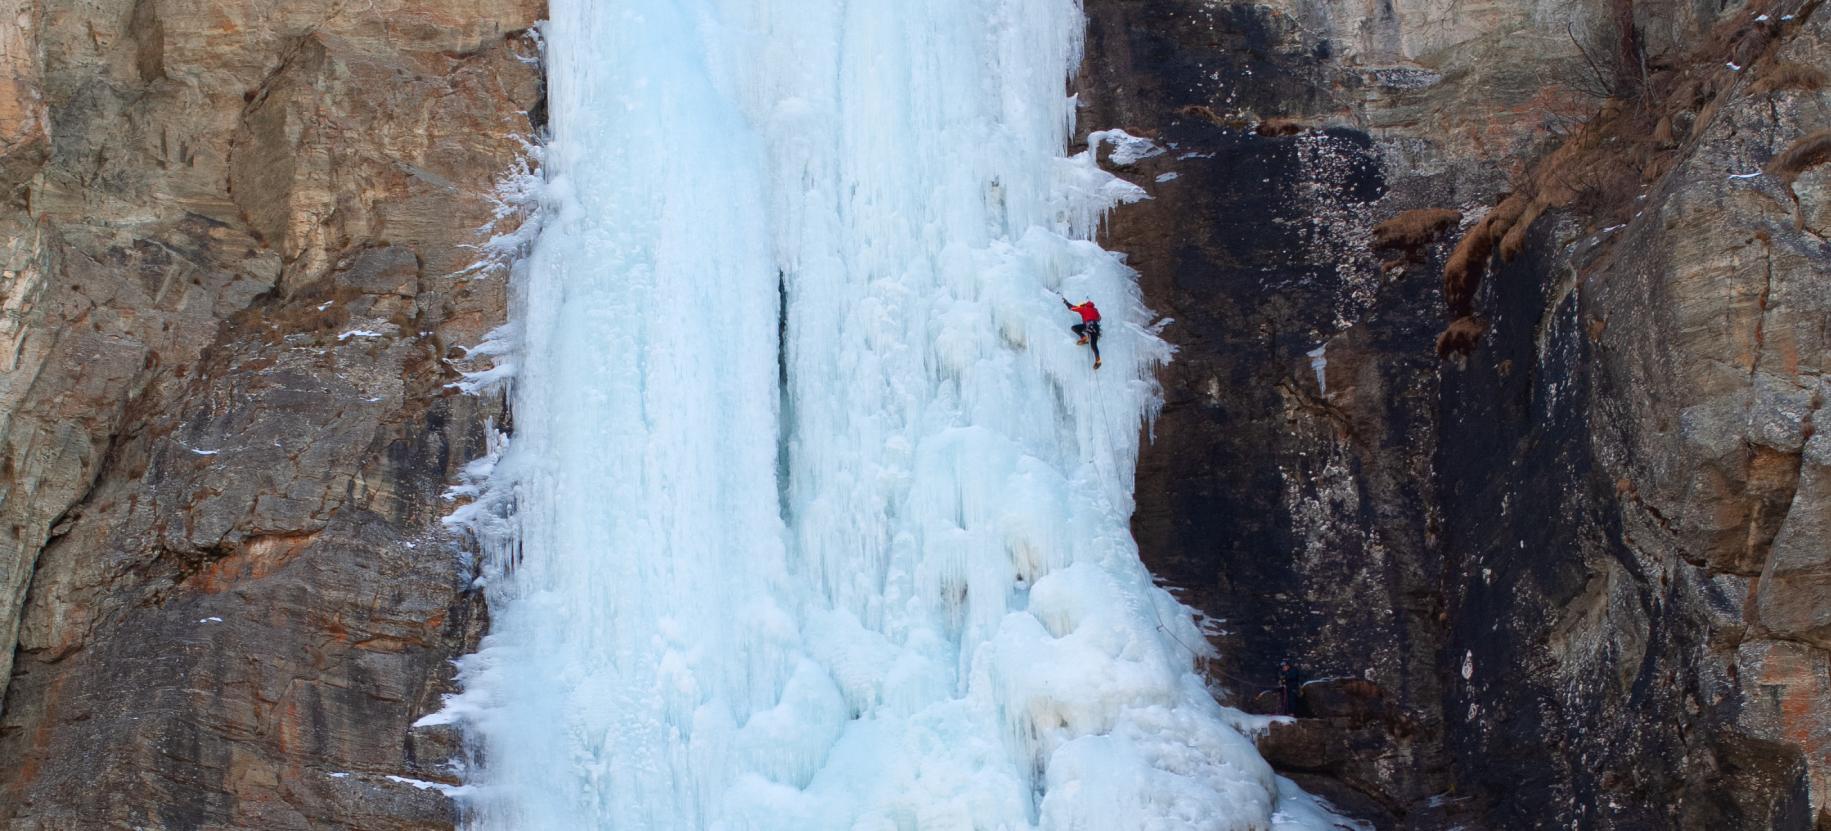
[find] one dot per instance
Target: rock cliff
(1501, 329)
(1575, 567)
(234, 275)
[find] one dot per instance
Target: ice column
(820, 516)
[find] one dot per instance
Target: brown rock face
(232, 278)
(1583, 560)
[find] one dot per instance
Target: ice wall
(816, 516)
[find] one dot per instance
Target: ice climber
(1088, 328)
(1290, 687)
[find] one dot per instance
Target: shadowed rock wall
(1577, 573)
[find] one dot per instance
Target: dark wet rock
(1555, 554)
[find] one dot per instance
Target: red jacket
(1088, 313)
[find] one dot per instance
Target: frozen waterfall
(814, 515)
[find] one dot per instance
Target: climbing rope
(1104, 427)
(1104, 447)
(1164, 628)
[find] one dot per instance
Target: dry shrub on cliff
(1280, 126)
(1596, 167)
(1788, 75)
(1413, 230)
(1801, 156)
(1273, 127)
(1635, 138)
(1515, 241)
(1463, 273)
(1201, 111)
(1207, 113)
(1469, 262)
(1689, 94)
(1461, 336)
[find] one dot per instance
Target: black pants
(1091, 331)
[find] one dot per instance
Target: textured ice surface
(815, 517)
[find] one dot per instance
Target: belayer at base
(1088, 328)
